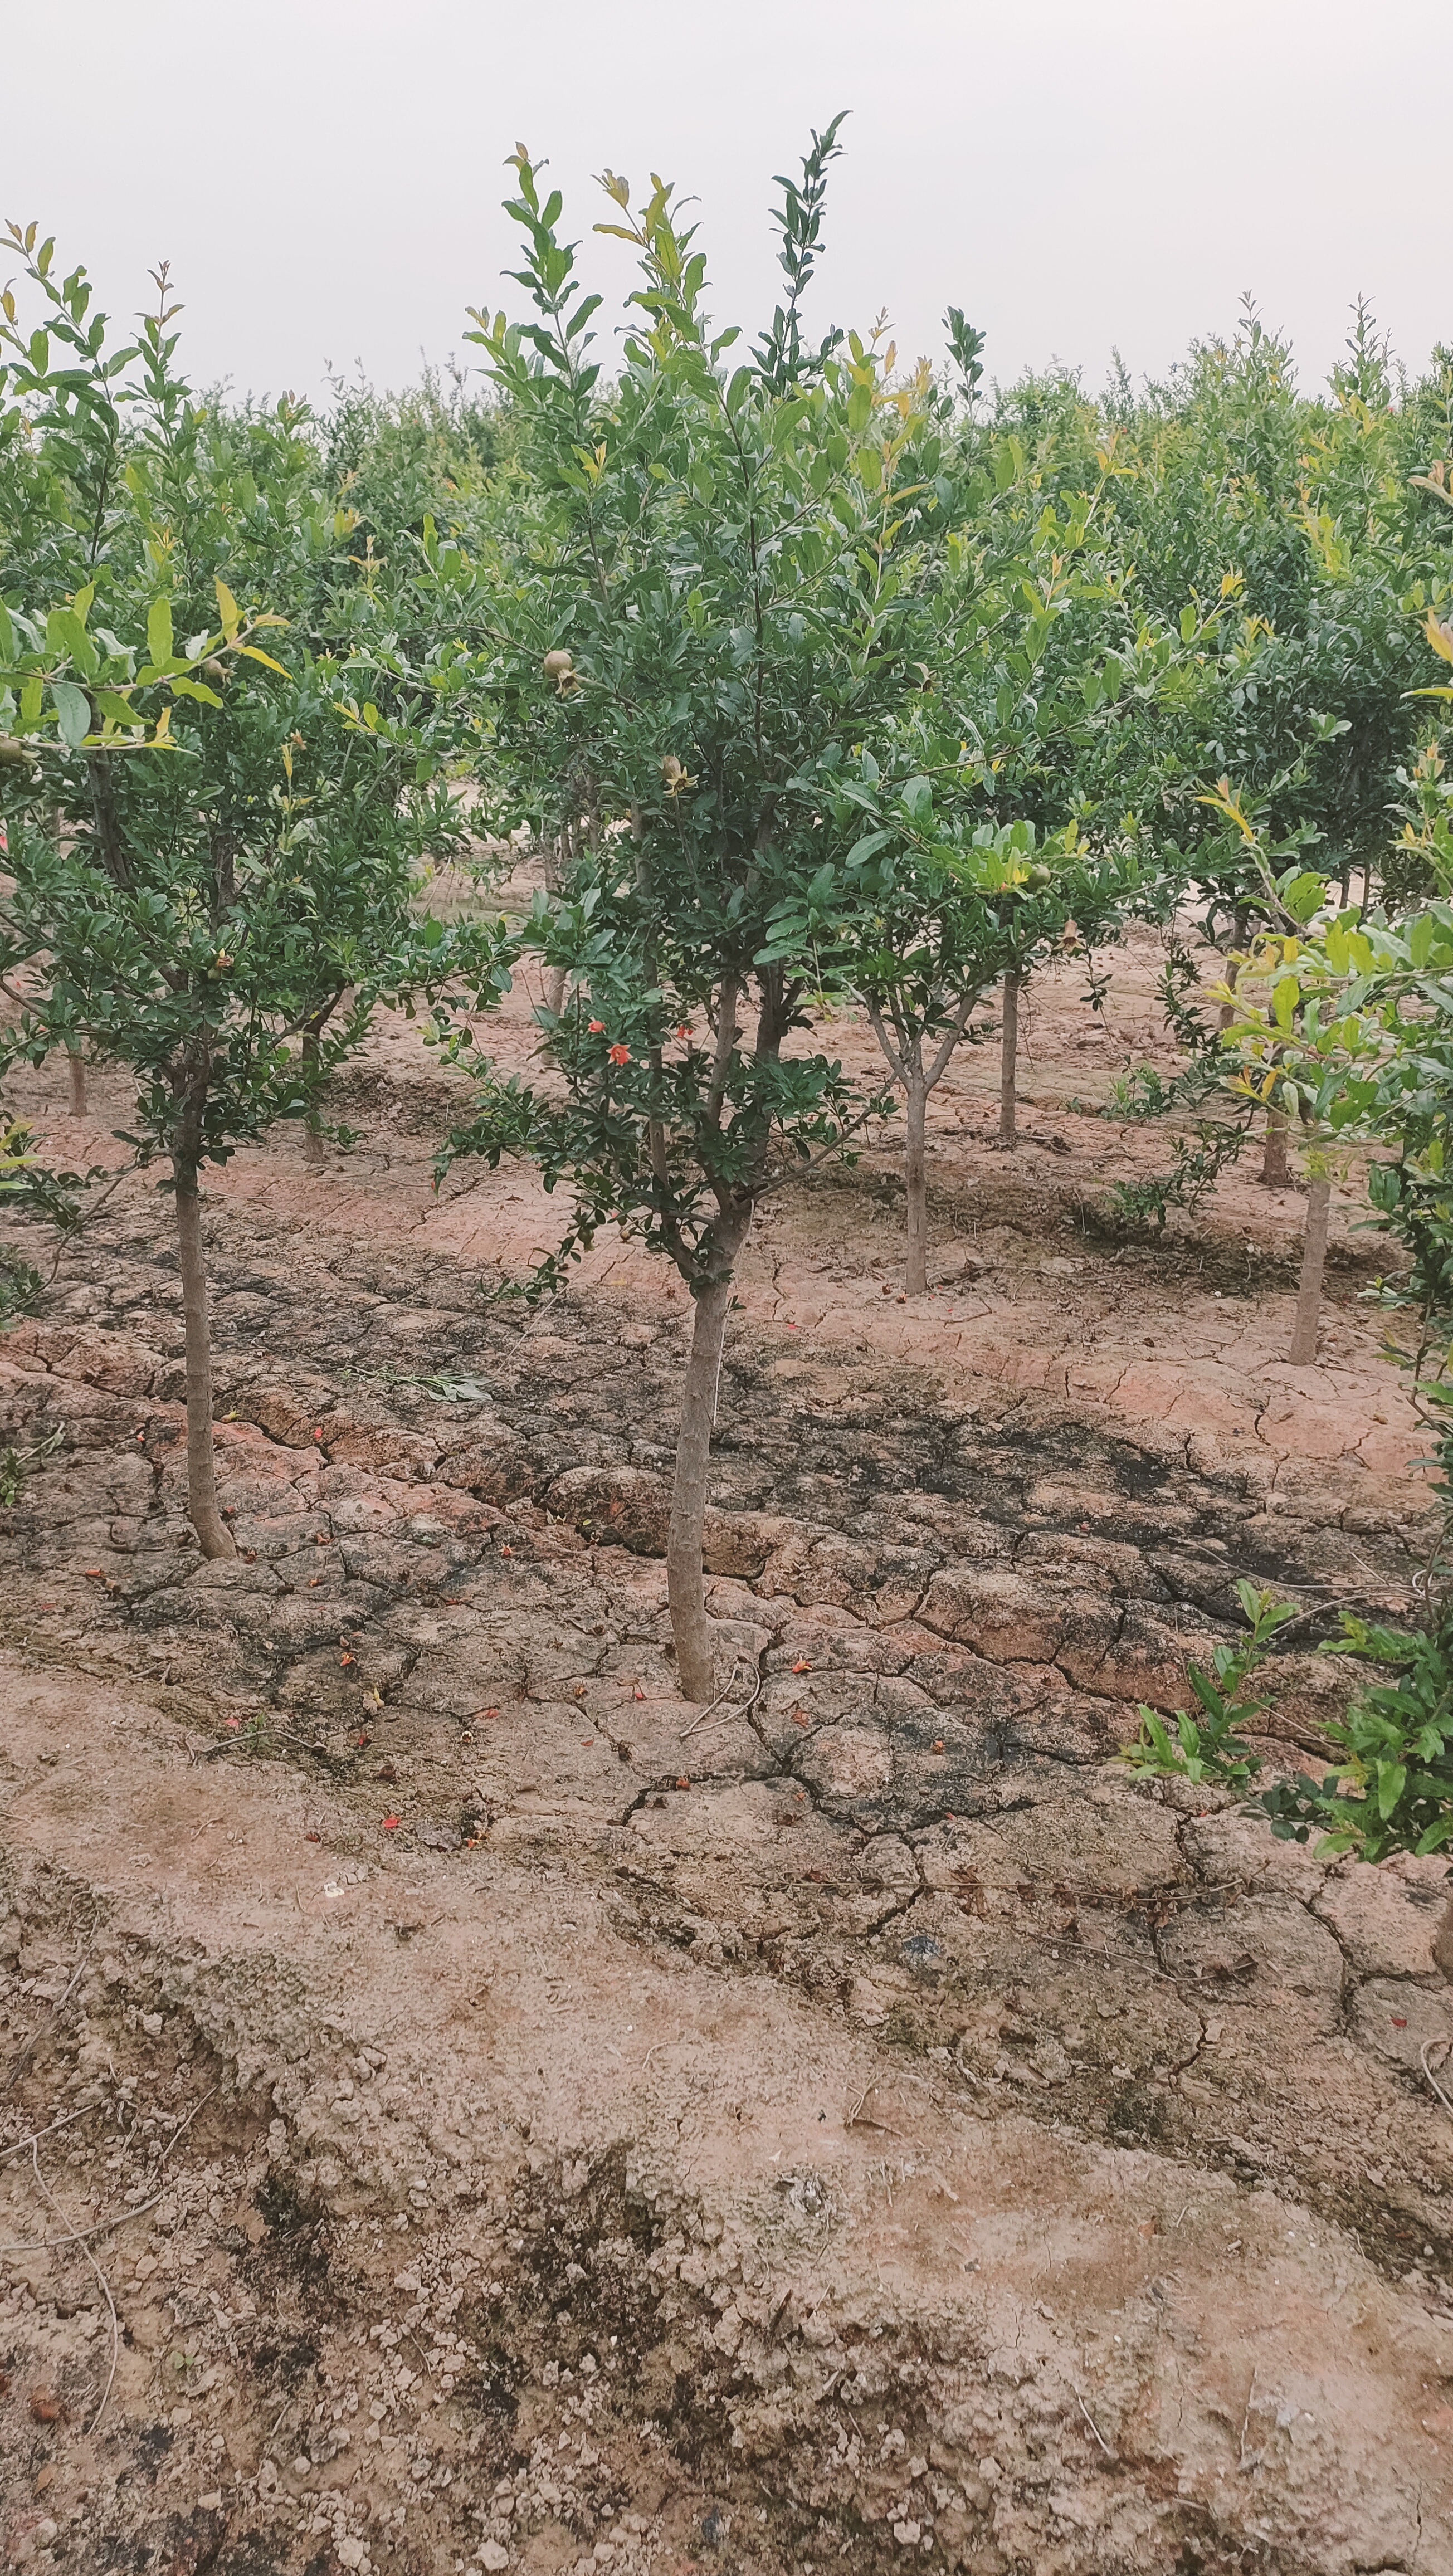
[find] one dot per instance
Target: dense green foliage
(222, 755)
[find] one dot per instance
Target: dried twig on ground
(1094, 2427)
(23, 2053)
(49, 2197)
(1423, 2055)
(69, 2122)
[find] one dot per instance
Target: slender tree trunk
(101, 778)
(655, 1127)
(1314, 1262)
(1275, 1174)
(557, 860)
(1008, 1062)
(915, 1277)
(1443, 1941)
(690, 1626)
(312, 1138)
(76, 1067)
(216, 1539)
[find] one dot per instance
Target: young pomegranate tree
(933, 912)
(715, 597)
(211, 841)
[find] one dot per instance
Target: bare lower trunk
(1274, 1172)
(1443, 1941)
(312, 1132)
(76, 1067)
(216, 1539)
(690, 1626)
(1314, 1262)
(1009, 1061)
(915, 1278)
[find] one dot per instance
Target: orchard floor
(518, 2120)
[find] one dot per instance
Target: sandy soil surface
(465, 2109)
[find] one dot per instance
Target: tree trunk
(916, 1263)
(76, 1066)
(312, 1138)
(102, 781)
(1008, 1061)
(690, 1626)
(1274, 1172)
(1314, 1262)
(557, 863)
(216, 1539)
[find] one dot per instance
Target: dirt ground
(465, 2109)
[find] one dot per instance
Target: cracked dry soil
(520, 2122)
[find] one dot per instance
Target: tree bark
(312, 1139)
(1275, 1174)
(216, 1539)
(102, 782)
(76, 1067)
(1314, 1262)
(690, 1626)
(915, 1277)
(1008, 1062)
(557, 862)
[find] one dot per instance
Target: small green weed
(1208, 1747)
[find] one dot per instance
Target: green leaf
(159, 631)
(864, 849)
(73, 712)
(1392, 1779)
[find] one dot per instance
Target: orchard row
(815, 677)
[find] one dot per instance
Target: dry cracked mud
(465, 2108)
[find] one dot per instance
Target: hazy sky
(325, 175)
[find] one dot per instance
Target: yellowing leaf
(227, 610)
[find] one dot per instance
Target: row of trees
(214, 812)
(1343, 1019)
(813, 677)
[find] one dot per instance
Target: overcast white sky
(325, 175)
